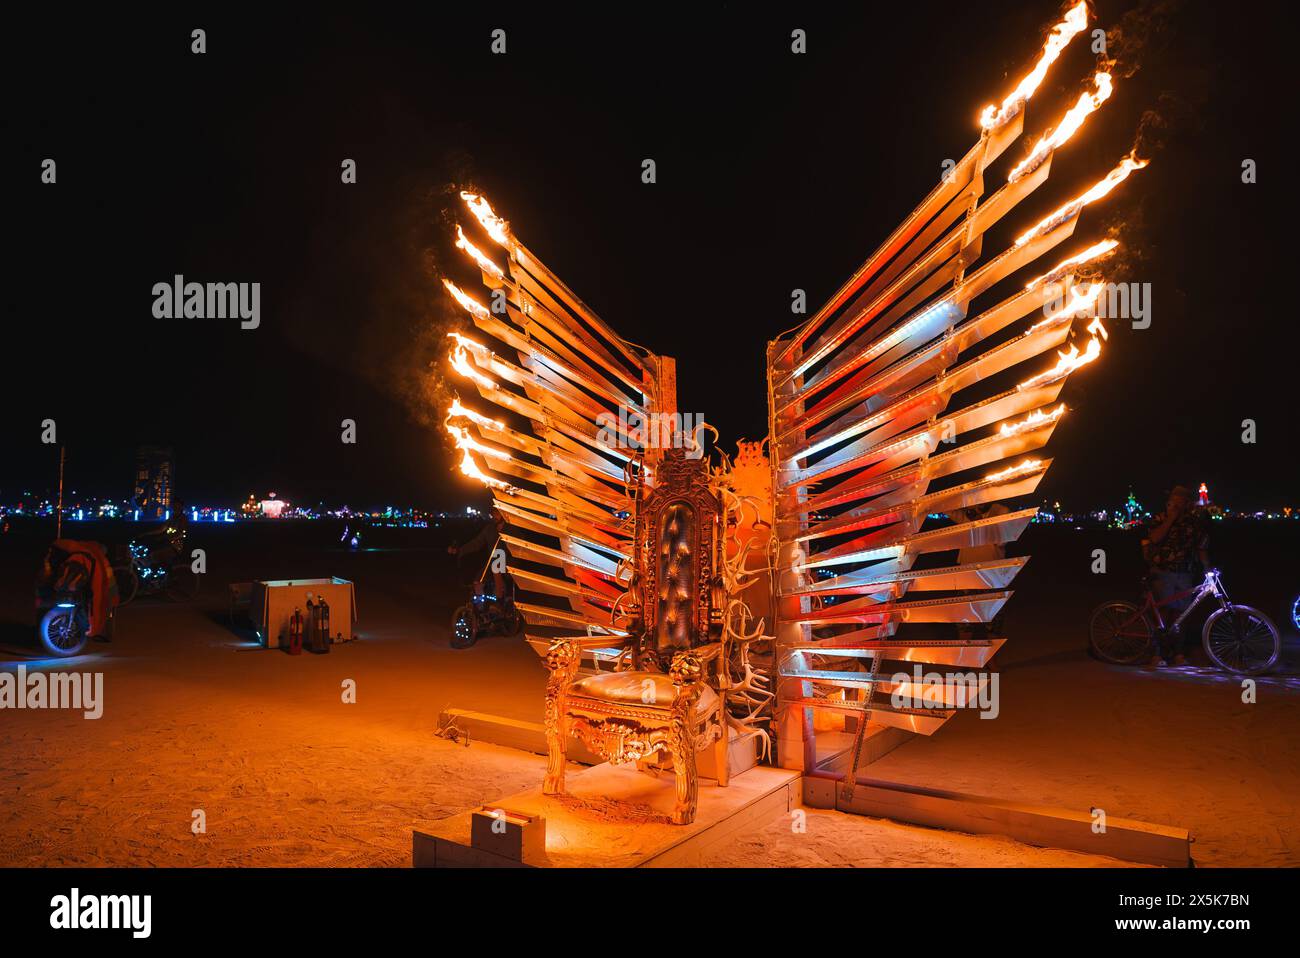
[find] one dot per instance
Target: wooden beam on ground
(1045, 825)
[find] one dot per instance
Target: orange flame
(1086, 105)
(484, 263)
(1061, 35)
(460, 360)
(1092, 252)
(1035, 418)
(466, 443)
(1079, 302)
(1068, 363)
(495, 226)
(1099, 189)
(472, 306)
(457, 411)
(1029, 465)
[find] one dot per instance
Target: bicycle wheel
(1242, 640)
(182, 584)
(62, 631)
(464, 627)
(1119, 632)
(128, 583)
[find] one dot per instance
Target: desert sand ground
(287, 774)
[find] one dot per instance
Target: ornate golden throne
(926, 385)
(668, 695)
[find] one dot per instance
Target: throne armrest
(562, 659)
(689, 666)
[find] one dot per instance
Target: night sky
(775, 172)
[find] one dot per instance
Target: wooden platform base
(617, 817)
(1045, 825)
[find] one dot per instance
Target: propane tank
(323, 610)
(325, 636)
(310, 627)
(295, 632)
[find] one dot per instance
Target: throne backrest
(678, 533)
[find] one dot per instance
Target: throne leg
(556, 757)
(562, 660)
(682, 749)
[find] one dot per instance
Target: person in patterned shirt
(1177, 549)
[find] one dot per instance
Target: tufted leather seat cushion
(629, 686)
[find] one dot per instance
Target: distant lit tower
(1203, 496)
(1133, 511)
(155, 474)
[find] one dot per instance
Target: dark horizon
(775, 172)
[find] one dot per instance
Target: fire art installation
(684, 602)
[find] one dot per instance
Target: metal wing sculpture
(583, 390)
(871, 431)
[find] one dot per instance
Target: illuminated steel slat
(891, 305)
(902, 486)
(921, 721)
(563, 588)
(959, 178)
(579, 531)
(875, 374)
(562, 292)
(546, 616)
(942, 697)
(549, 505)
(910, 514)
(916, 442)
(532, 303)
(995, 529)
(981, 607)
(538, 553)
(599, 524)
(574, 371)
(1034, 341)
(964, 653)
(989, 574)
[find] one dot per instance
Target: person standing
(1177, 551)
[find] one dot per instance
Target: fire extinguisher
(295, 632)
(324, 609)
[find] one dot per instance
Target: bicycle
(1237, 638)
(142, 570)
